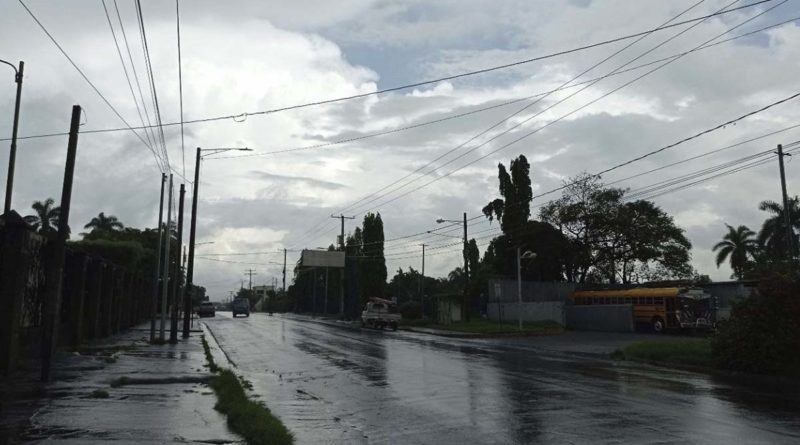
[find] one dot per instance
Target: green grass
(487, 327)
(695, 352)
(99, 394)
(248, 418)
(120, 381)
(212, 366)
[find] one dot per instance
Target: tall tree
(513, 210)
(737, 245)
(46, 218)
(610, 239)
(373, 265)
(773, 232)
(103, 226)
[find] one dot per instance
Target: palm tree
(737, 244)
(773, 233)
(105, 224)
(45, 220)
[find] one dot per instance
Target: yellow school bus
(660, 307)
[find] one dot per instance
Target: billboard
(322, 258)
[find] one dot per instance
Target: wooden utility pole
(284, 270)
(787, 220)
(250, 272)
(341, 236)
(54, 275)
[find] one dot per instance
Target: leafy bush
(763, 333)
(410, 310)
(128, 254)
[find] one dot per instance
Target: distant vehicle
(380, 313)
(206, 309)
(241, 306)
(662, 308)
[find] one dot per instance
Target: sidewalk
(158, 396)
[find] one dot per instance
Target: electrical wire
(438, 80)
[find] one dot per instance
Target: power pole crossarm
(341, 237)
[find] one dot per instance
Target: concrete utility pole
(154, 305)
(284, 270)
(787, 220)
(12, 157)
(165, 279)
(465, 308)
(189, 287)
(250, 272)
(175, 297)
(54, 278)
(341, 237)
(422, 284)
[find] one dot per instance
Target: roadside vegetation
(488, 327)
(248, 418)
(690, 352)
(762, 336)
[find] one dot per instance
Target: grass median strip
(694, 352)
(248, 418)
(494, 328)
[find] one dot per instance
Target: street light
(192, 230)
(12, 157)
(464, 303)
(527, 255)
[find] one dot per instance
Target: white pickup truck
(380, 313)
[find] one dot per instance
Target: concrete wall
(449, 311)
(546, 310)
(506, 291)
(607, 317)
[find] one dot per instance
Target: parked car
(241, 306)
(380, 313)
(206, 309)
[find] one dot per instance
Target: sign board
(322, 258)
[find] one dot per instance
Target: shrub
(763, 333)
(410, 310)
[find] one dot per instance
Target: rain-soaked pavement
(331, 385)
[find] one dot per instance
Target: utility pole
(422, 284)
(54, 275)
(165, 279)
(154, 305)
(465, 308)
(175, 298)
(12, 157)
(787, 221)
(341, 271)
(284, 270)
(250, 272)
(341, 237)
(189, 287)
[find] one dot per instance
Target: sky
(244, 56)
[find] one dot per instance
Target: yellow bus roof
(638, 292)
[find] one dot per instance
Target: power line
(80, 71)
(130, 85)
(180, 82)
(433, 81)
(502, 147)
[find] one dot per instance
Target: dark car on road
(241, 306)
(206, 309)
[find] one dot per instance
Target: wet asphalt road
(331, 385)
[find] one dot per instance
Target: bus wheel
(658, 325)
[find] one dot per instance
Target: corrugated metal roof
(638, 292)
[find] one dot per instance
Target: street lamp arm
(16, 72)
(213, 151)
